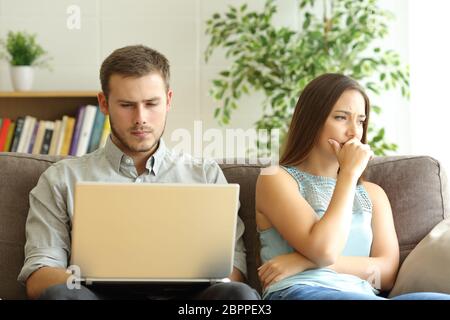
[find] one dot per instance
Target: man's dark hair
(134, 61)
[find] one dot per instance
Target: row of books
(76, 136)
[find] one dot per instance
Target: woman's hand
(281, 267)
(353, 156)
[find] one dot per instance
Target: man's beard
(124, 143)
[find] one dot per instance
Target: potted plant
(280, 61)
(23, 53)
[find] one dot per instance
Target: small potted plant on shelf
(23, 53)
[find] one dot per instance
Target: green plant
(21, 49)
(279, 61)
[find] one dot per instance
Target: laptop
(147, 232)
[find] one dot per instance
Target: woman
(325, 232)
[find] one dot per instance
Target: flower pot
(22, 77)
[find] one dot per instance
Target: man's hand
(281, 267)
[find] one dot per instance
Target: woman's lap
(306, 292)
(422, 296)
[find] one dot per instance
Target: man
(136, 96)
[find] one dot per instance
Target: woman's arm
(282, 267)
(379, 269)
(319, 240)
(382, 265)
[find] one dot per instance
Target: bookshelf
(44, 105)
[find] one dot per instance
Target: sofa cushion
(427, 267)
(417, 190)
(19, 173)
(245, 176)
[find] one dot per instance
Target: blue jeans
(219, 291)
(305, 292)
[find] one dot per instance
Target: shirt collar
(115, 156)
(155, 161)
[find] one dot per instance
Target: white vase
(22, 77)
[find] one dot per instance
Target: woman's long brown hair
(312, 109)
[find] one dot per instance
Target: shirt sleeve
(47, 226)
(215, 175)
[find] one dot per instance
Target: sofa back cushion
(19, 173)
(417, 190)
(245, 176)
(426, 268)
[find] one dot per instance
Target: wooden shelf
(47, 94)
(44, 105)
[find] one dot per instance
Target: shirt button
(128, 161)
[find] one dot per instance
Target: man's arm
(379, 269)
(382, 265)
(43, 278)
(47, 235)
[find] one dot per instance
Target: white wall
(430, 69)
(175, 28)
(395, 109)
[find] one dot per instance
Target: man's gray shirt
(49, 219)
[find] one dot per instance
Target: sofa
(416, 186)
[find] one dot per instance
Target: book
(32, 137)
(31, 130)
(77, 130)
(68, 133)
(86, 129)
(9, 138)
(106, 131)
(61, 135)
(49, 127)
(25, 137)
(4, 128)
(24, 133)
(17, 133)
(39, 138)
(96, 131)
(55, 137)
